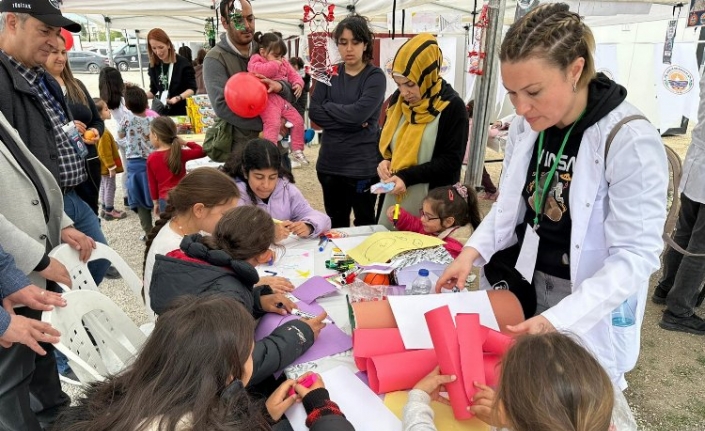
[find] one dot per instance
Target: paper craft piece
(399, 371)
(361, 406)
(496, 342)
(330, 341)
(445, 342)
(314, 288)
(442, 414)
(492, 368)
(292, 264)
(348, 243)
(373, 314)
(470, 338)
(409, 310)
(373, 342)
(382, 246)
(407, 275)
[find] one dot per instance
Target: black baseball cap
(46, 11)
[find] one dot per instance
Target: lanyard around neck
(540, 200)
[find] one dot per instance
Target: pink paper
(373, 342)
(313, 288)
(399, 371)
(496, 343)
(445, 342)
(471, 361)
(491, 365)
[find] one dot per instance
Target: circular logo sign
(677, 80)
(445, 67)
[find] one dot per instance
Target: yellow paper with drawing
(442, 414)
(382, 246)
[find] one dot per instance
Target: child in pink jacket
(270, 63)
(451, 213)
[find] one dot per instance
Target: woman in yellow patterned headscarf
(426, 128)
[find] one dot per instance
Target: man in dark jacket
(230, 56)
(198, 270)
(34, 104)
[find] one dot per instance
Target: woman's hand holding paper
(535, 325)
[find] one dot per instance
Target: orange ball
(377, 279)
(89, 135)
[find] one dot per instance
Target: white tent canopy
(184, 19)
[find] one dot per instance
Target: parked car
(101, 51)
(87, 61)
(126, 57)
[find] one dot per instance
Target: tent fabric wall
(185, 18)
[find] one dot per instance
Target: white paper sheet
(361, 406)
(290, 263)
(347, 244)
(409, 313)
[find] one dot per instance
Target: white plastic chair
(81, 278)
(116, 338)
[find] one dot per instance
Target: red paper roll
(470, 337)
(445, 342)
(497, 343)
(399, 371)
(373, 342)
(492, 369)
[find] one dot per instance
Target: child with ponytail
(166, 166)
(450, 212)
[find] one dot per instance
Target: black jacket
(197, 270)
(23, 109)
(451, 141)
(183, 77)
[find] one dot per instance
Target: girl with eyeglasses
(451, 213)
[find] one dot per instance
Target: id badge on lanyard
(526, 262)
(75, 139)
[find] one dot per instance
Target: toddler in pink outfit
(270, 63)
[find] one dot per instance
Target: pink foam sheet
(470, 338)
(374, 342)
(492, 367)
(497, 343)
(445, 342)
(399, 371)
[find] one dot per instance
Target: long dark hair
(165, 129)
(243, 232)
(258, 154)
(359, 26)
(111, 86)
(214, 336)
(207, 186)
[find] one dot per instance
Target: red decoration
(68, 37)
(245, 95)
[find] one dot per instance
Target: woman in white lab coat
(597, 238)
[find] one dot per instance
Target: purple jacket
(287, 203)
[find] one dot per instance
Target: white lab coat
(694, 164)
(617, 213)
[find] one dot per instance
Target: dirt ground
(666, 389)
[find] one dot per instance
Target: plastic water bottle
(623, 315)
(422, 284)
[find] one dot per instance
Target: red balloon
(245, 95)
(68, 37)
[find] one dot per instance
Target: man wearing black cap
(32, 101)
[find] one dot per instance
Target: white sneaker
(299, 156)
(295, 164)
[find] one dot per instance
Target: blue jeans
(162, 205)
(85, 220)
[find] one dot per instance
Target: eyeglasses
(425, 215)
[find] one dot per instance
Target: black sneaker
(692, 324)
(659, 296)
(112, 273)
